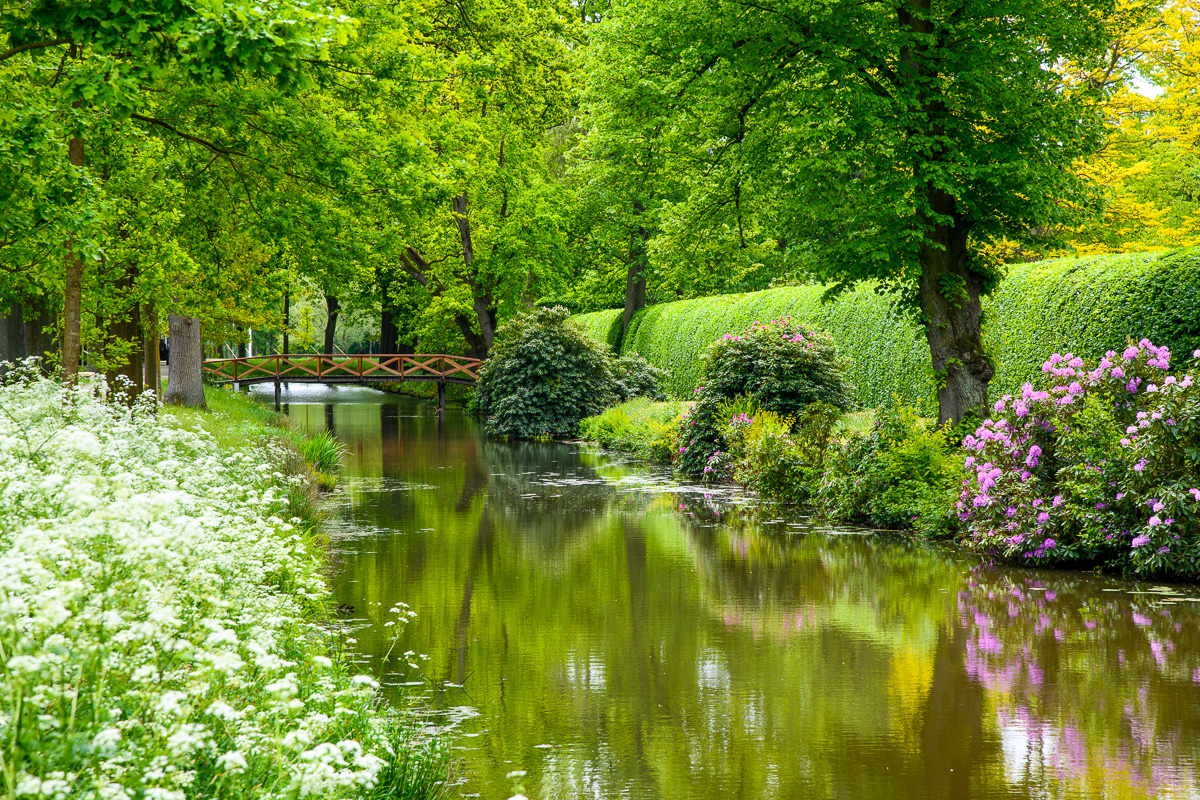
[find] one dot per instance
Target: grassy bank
(639, 426)
(165, 619)
(234, 418)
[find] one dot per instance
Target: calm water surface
(617, 634)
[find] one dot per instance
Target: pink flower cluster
(1026, 486)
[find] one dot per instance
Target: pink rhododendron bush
(160, 620)
(1102, 467)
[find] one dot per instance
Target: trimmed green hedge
(1090, 305)
(1083, 305)
(887, 354)
(603, 326)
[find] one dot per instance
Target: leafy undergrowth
(640, 426)
(163, 615)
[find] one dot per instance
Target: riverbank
(166, 622)
(884, 469)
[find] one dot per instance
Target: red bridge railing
(279, 369)
(343, 369)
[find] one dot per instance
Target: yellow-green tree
(1148, 171)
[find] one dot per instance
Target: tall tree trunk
(125, 326)
(482, 302)
(635, 276)
(485, 312)
(388, 335)
(949, 296)
(287, 320)
(331, 306)
(241, 346)
(184, 384)
(72, 284)
(151, 363)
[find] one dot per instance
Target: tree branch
(216, 148)
(16, 51)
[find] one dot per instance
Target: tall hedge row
(885, 354)
(1083, 305)
(602, 326)
(1090, 305)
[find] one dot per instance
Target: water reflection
(621, 636)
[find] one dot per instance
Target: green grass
(641, 426)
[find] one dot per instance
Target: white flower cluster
(158, 618)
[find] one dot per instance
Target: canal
(616, 634)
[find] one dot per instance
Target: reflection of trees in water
(731, 661)
(774, 579)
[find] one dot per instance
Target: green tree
(80, 70)
(894, 138)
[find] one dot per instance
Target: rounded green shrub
(637, 377)
(783, 365)
(544, 375)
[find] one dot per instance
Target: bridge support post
(277, 394)
(441, 397)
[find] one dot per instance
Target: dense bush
(544, 375)
(784, 365)
(1103, 467)
(637, 377)
(1085, 305)
(640, 426)
(904, 473)
(781, 458)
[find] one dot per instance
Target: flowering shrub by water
(784, 365)
(1102, 467)
(158, 618)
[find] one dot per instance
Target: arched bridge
(353, 369)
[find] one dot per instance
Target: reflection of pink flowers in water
(1061, 738)
(988, 643)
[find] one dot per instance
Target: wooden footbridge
(344, 369)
